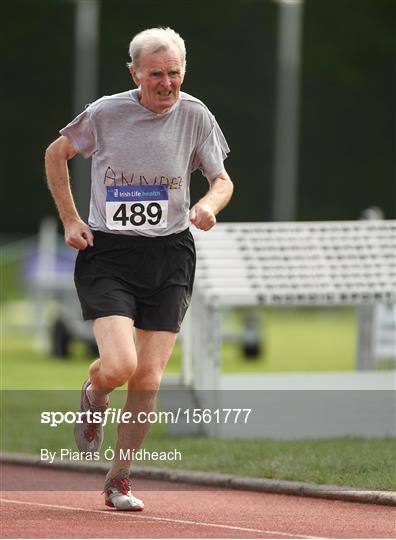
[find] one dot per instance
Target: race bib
(136, 207)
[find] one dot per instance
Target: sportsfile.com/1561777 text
(117, 416)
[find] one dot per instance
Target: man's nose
(165, 81)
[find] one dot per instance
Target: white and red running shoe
(118, 494)
(88, 435)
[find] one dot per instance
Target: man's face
(159, 77)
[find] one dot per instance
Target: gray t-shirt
(142, 161)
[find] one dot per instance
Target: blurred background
(307, 84)
(346, 133)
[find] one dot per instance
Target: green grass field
(354, 462)
(295, 340)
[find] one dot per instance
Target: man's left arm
(203, 213)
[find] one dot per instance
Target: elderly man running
(136, 260)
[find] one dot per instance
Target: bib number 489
(138, 214)
(131, 208)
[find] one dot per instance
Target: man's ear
(134, 75)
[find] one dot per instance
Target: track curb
(283, 487)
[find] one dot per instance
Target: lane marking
(157, 518)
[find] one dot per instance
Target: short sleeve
(211, 152)
(81, 133)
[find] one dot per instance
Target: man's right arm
(77, 233)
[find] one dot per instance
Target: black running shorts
(149, 280)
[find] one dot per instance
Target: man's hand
(78, 235)
(202, 216)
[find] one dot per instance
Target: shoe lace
(92, 427)
(90, 432)
(122, 484)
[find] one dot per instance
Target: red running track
(31, 508)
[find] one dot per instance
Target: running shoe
(88, 435)
(118, 494)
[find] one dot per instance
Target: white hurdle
(334, 263)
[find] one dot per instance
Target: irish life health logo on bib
(136, 207)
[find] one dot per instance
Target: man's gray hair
(155, 40)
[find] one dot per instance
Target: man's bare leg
(117, 362)
(153, 352)
(116, 365)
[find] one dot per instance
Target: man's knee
(147, 379)
(117, 373)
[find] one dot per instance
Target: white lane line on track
(157, 518)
